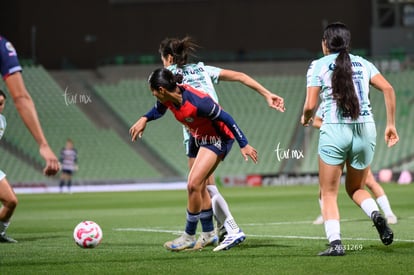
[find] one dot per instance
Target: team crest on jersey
(10, 48)
(189, 119)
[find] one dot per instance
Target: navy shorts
(68, 172)
(221, 147)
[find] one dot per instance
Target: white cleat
(231, 240)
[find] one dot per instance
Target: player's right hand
(137, 130)
(52, 163)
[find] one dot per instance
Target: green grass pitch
(277, 221)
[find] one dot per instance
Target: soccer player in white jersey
(348, 134)
(10, 70)
(370, 182)
(174, 55)
(7, 196)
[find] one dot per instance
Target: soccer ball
(87, 234)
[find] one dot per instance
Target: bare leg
(8, 199)
(381, 198)
(329, 181)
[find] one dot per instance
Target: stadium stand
(106, 154)
(102, 154)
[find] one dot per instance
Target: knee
(195, 185)
(11, 203)
(351, 191)
(192, 187)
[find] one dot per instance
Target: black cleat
(6, 239)
(385, 233)
(335, 249)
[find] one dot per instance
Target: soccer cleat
(185, 241)
(385, 233)
(392, 219)
(318, 220)
(335, 249)
(206, 239)
(231, 240)
(6, 239)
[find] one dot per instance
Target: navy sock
(206, 219)
(192, 221)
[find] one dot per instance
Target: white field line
(177, 232)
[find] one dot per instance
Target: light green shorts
(353, 142)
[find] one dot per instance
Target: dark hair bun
(178, 78)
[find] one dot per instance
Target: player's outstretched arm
(137, 130)
(27, 111)
(274, 101)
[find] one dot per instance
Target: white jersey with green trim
(320, 75)
(199, 76)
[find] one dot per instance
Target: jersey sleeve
(156, 112)
(373, 71)
(213, 73)
(212, 110)
(312, 78)
(9, 62)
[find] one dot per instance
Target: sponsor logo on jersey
(10, 48)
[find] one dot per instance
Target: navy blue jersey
(202, 116)
(9, 62)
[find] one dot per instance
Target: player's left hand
(391, 136)
(249, 151)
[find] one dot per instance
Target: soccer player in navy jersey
(175, 53)
(11, 70)
(214, 132)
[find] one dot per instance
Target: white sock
(332, 230)
(212, 190)
(384, 204)
(231, 226)
(218, 214)
(369, 206)
(220, 208)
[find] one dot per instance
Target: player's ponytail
(179, 49)
(338, 37)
